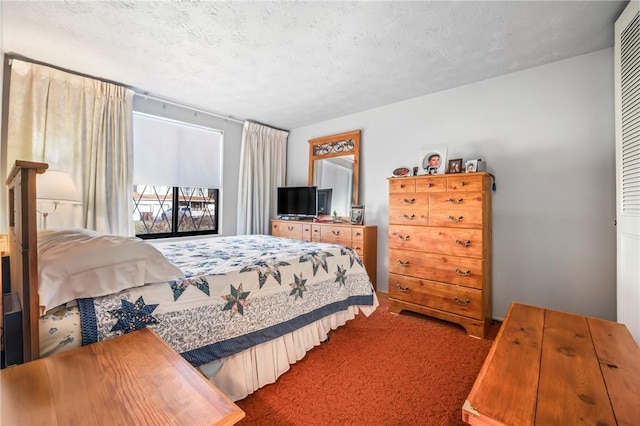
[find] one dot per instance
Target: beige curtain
(263, 166)
(82, 126)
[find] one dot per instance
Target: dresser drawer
(458, 200)
(315, 233)
(335, 234)
(306, 231)
(289, 230)
(402, 185)
(465, 182)
(458, 242)
(357, 235)
(450, 298)
(462, 271)
(431, 184)
(419, 200)
(357, 247)
(456, 218)
(409, 216)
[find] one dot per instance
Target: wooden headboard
(23, 249)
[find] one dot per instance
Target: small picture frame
(433, 162)
(455, 166)
(402, 171)
(357, 215)
(471, 166)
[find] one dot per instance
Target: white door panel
(629, 277)
(627, 100)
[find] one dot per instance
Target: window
(177, 174)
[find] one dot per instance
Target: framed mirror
(334, 167)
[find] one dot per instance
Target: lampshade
(56, 185)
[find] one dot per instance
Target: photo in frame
(433, 162)
(357, 215)
(402, 171)
(471, 166)
(455, 166)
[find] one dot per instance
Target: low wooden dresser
(440, 248)
(549, 367)
(133, 379)
(362, 238)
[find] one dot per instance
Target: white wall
(547, 135)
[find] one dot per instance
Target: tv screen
(297, 201)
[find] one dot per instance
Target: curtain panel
(263, 166)
(82, 126)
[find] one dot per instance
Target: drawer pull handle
(463, 183)
(455, 219)
(358, 234)
(411, 201)
(463, 243)
(358, 248)
(462, 303)
(334, 232)
(454, 201)
(461, 273)
(290, 228)
(409, 217)
(404, 264)
(429, 185)
(401, 185)
(403, 237)
(402, 289)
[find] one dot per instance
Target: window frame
(175, 205)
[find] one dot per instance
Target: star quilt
(237, 292)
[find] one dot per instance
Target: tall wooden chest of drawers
(362, 238)
(440, 248)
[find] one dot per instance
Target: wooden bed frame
(23, 250)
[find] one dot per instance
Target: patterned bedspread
(238, 292)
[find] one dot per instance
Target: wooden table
(554, 368)
(133, 379)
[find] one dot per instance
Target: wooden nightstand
(135, 378)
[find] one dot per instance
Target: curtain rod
(138, 92)
(192, 108)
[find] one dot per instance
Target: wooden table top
(549, 367)
(133, 379)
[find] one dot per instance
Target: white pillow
(79, 263)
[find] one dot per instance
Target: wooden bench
(555, 368)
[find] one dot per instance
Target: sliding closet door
(627, 97)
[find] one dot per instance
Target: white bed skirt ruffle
(247, 371)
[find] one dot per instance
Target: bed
(241, 309)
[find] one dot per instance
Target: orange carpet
(383, 370)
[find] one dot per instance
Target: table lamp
(58, 187)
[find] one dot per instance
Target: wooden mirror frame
(339, 145)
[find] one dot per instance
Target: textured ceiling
(290, 64)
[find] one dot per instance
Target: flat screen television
(297, 202)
